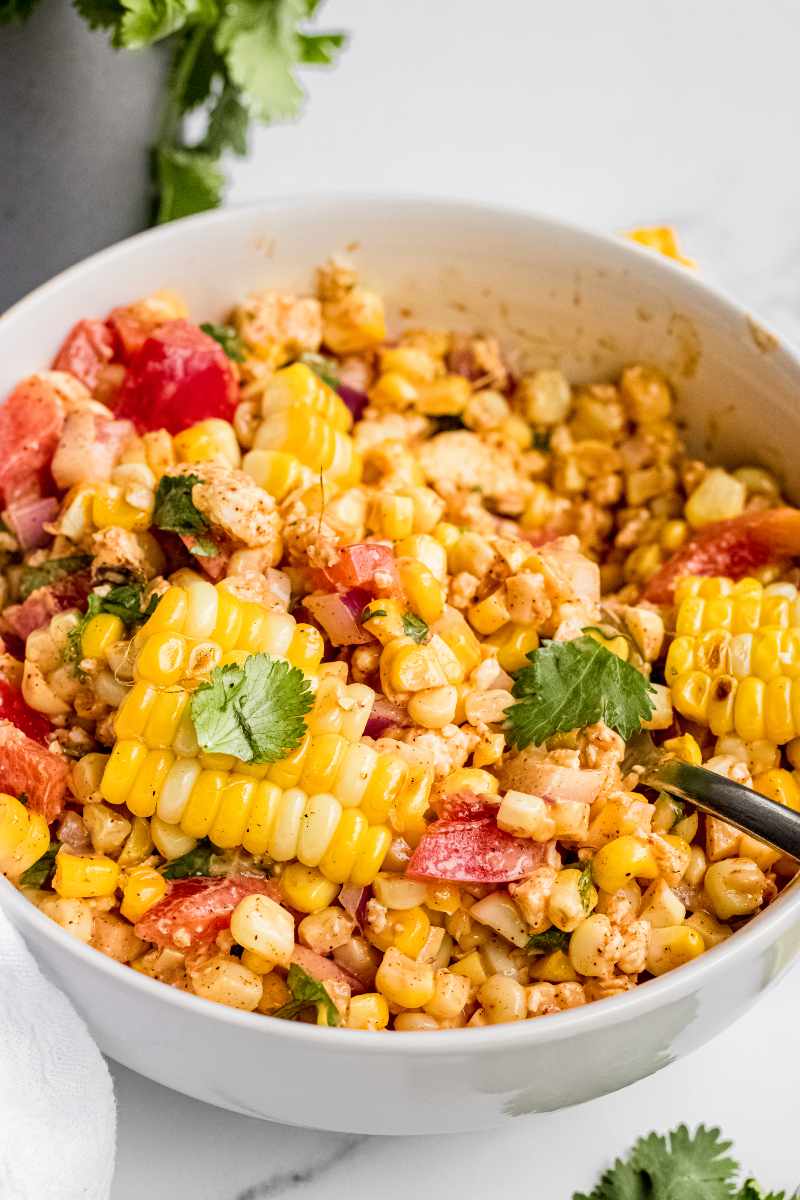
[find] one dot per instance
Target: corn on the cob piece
(305, 420)
(326, 805)
(200, 626)
(734, 664)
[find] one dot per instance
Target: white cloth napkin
(57, 1111)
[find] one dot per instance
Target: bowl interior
(554, 295)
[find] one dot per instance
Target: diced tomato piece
(14, 709)
(179, 376)
(129, 331)
(195, 910)
(468, 847)
(45, 602)
(732, 548)
(88, 346)
(368, 565)
(30, 424)
(324, 969)
(27, 767)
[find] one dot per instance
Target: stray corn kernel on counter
(321, 645)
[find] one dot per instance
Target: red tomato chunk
(179, 376)
(732, 548)
(27, 767)
(30, 424)
(14, 709)
(88, 346)
(466, 846)
(195, 910)
(368, 565)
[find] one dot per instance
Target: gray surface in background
(76, 119)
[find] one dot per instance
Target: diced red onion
(338, 613)
(354, 901)
(26, 520)
(384, 713)
(324, 969)
(356, 401)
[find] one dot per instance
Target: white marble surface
(609, 115)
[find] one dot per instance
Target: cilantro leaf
(196, 862)
(541, 440)
(100, 14)
(320, 48)
(48, 572)
(544, 943)
(750, 1190)
(682, 1164)
(123, 601)
(228, 338)
(254, 712)
(175, 512)
(148, 21)
(227, 124)
(326, 368)
(573, 684)
(189, 181)
(585, 884)
(415, 628)
(673, 1167)
(260, 46)
(16, 10)
(41, 871)
(306, 990)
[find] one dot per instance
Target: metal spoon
(733, 802)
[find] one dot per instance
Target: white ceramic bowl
(557, 295)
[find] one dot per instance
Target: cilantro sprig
(679, 1166)
(306, 991)
(124, 601)
(573, 684)
(227, 337)
(233, 61)
(174, 511)
(415, 628)
(254, 712)
(195, 862)
(42, 870)
(548, 941)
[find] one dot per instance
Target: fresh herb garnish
(306, 991)
(175, 512)
(196, 862)
(585, 885)
(368, 613)
(545, 943)
(573, 684)
(41, 871)
(24, 799)
(48, 572)
(123, 601)
(227, 337)
(254, 712)
(415, 628)
(678, 1166)
(326, 368)
(541, 440)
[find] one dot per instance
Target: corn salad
(290, 611)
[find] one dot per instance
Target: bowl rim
(759, 932)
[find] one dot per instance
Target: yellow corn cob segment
(734, 664)
(304, 421)
(328, 812)
(299, 386)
